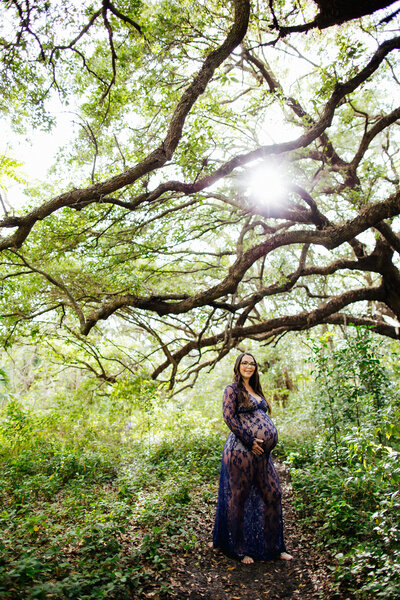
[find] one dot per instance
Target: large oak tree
(162, 217)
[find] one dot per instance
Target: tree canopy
(234, 175)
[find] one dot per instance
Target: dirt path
(209, 575)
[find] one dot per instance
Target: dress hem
(257, 558)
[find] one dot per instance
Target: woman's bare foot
(247, 560)
(285, 556)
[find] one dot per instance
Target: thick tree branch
(392, 238)
(331, 237)
(332, 13)
(300, 321)
(159, 157)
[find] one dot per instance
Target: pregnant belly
(260, 426)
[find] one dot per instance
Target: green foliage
(16, 424)
(346, 478)
(10, 170)
(4, 381)
(136, 392)
(89, 510)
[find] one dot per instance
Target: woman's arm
(231, 419)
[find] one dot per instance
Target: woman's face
(247, 366)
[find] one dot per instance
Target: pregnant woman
(248, 523)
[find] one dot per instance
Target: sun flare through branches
(267, 184)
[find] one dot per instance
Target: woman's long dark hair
(254, 381)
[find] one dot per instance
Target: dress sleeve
(231, 419)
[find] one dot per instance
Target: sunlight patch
(267, 184)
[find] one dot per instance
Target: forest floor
(204, 574)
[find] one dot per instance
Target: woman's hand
(256, 447)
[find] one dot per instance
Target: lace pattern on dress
(249, 512)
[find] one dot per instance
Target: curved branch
(331, 237)
(78, 37)
(379, 327)
(298, 322)
(273, 289)
(160, 155)
(121, 16)
(368, 136)
(57, 283)
(332, 13)
(390, 236)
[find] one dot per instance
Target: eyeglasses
(248, 364)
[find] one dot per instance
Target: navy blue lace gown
(249, 511)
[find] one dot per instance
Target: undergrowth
(346, 475)
(93, 512)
